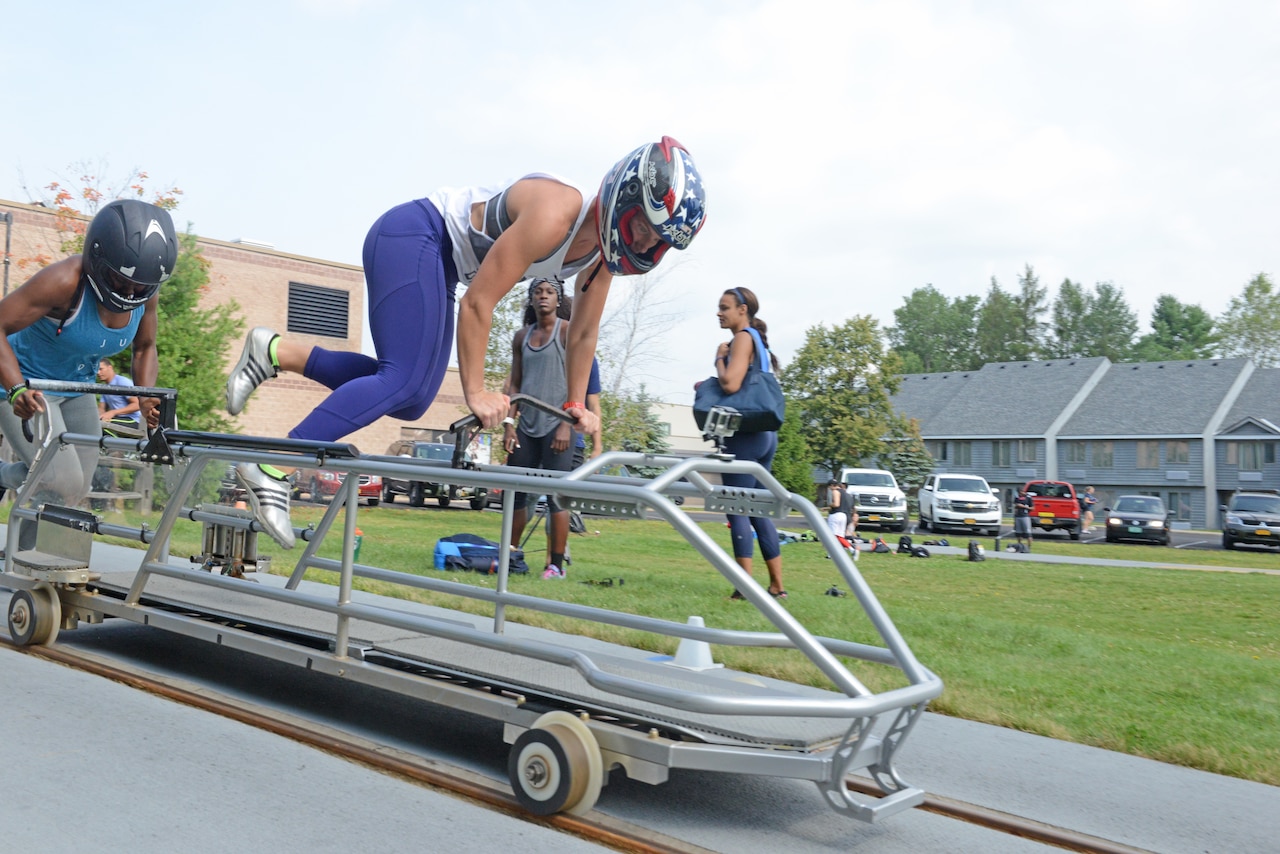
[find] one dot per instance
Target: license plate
(1043, 515)
(971, 521)
(1262, 532)
(873, 518)
(1135, 529)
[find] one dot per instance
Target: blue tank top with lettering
(73, 354)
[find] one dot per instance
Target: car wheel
(923, 524)
(478, 502)
(901, 527)
(443, 500)
(1075, 532)
(387, 495)
(1228, 543)
(373, 502)
(415, 495)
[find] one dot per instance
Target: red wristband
(572, 404)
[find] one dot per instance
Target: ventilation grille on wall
(314, 310)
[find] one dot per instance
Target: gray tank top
(542, 376)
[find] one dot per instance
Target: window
(964, 454)
(1103, 455)
(1148, 455)
(939, 451)
(1026, 450)
(1076, 452)
(1177, 452)
(1002, 453)
(1251, 456)
(318, 311)
(1180, 505)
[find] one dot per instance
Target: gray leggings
(71, 477)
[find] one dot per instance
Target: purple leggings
(409, 273)
(759, 448)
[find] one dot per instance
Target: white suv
(959, 501)
(876, 498)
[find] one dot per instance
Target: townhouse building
(1190, 431)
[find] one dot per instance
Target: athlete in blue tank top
(69, 316)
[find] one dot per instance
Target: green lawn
(1182, 666)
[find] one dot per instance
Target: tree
(1110, 325)
(838, 389)
(508, 317)
(908, 459)
(1030, 306)
(631, 332)
(630, 424)
(999, 327)
(1250, 327)
(933, 334)
(1178, 331)
(1070, 307)
(792, 463)
(191, 340)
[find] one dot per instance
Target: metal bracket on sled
(230, 549)
(744, 502)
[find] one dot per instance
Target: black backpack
(975, 551)
(904, 545)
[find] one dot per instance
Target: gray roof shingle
(1155, 398)
(1001, 399)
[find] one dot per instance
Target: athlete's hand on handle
(586, 421)
(489, 406)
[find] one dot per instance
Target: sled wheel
(556, 766)
(34, 616)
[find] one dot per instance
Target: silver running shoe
(269, 498)
(253, 369)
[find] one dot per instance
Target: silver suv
(1252, 518)
(962, 501)
(876, 498)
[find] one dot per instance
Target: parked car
(959, 501)
(1056, 506)
(1138, 517)
(418, 491)
(877, 499)
(1251, 517)
(323, 485)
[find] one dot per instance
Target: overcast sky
(852, 151)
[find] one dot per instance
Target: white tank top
(469, 245)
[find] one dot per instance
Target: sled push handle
(466, 429)
(157, 448)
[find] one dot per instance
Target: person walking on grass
(737, 313)
(489, 238)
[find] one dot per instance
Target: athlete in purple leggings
(491, 238)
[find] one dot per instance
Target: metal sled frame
(573, 707)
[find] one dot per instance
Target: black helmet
(130, 248)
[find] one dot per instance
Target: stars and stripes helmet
(659, 182)
(130, 248)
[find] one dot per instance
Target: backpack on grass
(470, 552)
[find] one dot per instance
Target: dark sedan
(1138, 517)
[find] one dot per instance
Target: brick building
(321, 302)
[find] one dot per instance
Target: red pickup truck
(1056, 506)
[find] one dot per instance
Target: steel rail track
(594, 827)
